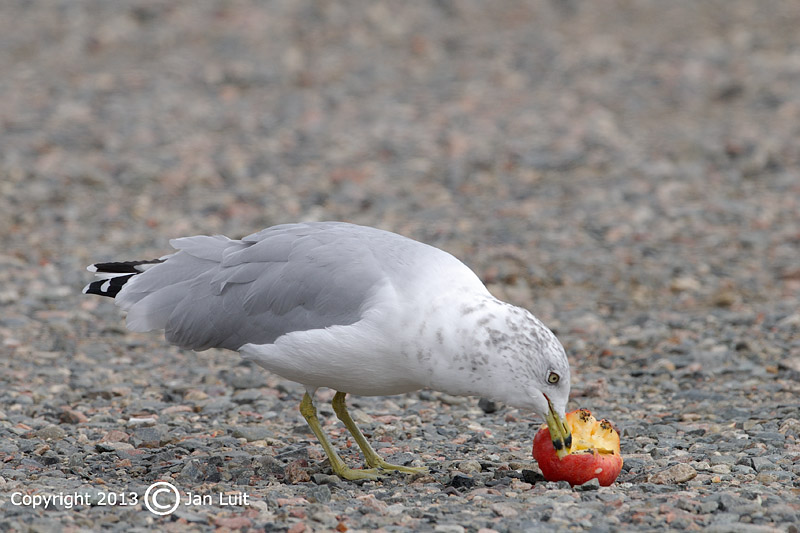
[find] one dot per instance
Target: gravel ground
(627, 170)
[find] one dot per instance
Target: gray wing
(218, 292)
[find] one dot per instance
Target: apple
(594, 452)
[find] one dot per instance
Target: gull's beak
(559, 431)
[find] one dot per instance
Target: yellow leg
(309, 412)
(371, 457)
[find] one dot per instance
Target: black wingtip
(123, 267)
(107, 287)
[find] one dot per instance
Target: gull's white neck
(473, 344)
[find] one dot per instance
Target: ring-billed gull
(353, 308)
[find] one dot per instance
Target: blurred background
(594, 161)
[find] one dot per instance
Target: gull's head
(496, 350)
(536, 371)
(549, 392)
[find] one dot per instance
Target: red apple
(594, 452)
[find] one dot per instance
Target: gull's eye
(552, 378)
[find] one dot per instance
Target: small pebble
(462, 481)
(488, 406)
(592, 484)
(761, 464)
(679, 473)
(51, 433)
(504, 509)
(469, 467)
(319, 494)
(253, 433)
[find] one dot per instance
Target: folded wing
(218, 292)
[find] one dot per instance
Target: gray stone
(722, 460)
(247, 396)
(721, 469)
(469, 467)
(742, 469)
(319, 494)
(325, 479)
(592, 484)
(269, 465)
(193, 471)
(679, 473)
(113, 446)
(761, 464)
(218, 405)
(51, 433)
(253, 433)
(488, 406)
(147, 437)
(449, 528)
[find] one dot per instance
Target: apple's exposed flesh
(594, 452)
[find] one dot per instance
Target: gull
(352, 308)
